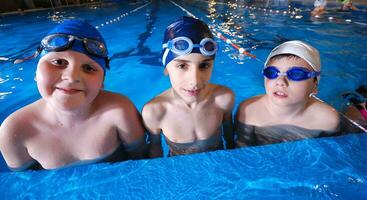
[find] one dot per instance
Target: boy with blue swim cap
(288, 110)
(78, 36)
(186, 36)
(192, 113)
(75, 121)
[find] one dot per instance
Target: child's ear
(165, 72)
(315, 89)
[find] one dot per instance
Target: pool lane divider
(20, 60)
(294, 14)
(120, 17)
(240, 49)
(221, 36)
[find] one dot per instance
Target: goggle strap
(35, 54)
(107, 60)
(165, 54)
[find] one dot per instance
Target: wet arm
(227, 102)
(151, 119)
(137, 149)
(131, 132)
(244, 133)
(155, 146)
(14, 152)
(228, 131)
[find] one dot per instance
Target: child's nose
(194, 77)
(71, 74)
(282, 81)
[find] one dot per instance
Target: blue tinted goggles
(293, 74)
(184, 45)
(61, 42)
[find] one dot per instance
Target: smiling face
(284, 92)
(190, 75)
(68, 79)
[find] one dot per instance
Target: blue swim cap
(80, 29)
(189, 27)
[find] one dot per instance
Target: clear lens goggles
(184, 45)
(61, 42)
(294, 73)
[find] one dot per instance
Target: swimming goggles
(184, 45)
(61, 42)
(294, 73)
(354, 98)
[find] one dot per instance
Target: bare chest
(58, 146)
(181, 125)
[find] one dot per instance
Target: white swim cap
(300, 49)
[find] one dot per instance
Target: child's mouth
(280, 94)
(194, 92)
(68, 90)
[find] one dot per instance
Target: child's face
(283, 91)
(68, 79)
(190, 75)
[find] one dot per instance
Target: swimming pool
(323, 168)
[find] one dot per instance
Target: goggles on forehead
(294, 73)
(61, 42)
(184, 45)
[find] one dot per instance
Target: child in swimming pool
(288, 110)
(75, 121)
(320, 7)
(192, 113)
(348, 5)
(357, 109)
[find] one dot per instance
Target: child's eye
(204, 66)
(89, 68)
(59, 62)
(182, 66)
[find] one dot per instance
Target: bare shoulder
(114, 103)
(106, 98)
(119, 111)
(156, 108)
(18, 125)
(16, 130)
(326, 117)
(249, 107)
(224, 97)
(154, 111)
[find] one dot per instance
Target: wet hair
(362, 90)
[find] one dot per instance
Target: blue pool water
(329, 168)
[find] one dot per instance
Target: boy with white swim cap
(288, 110)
